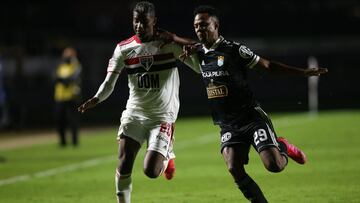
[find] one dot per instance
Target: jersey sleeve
(192, 61)
(107, 87)
(248, 58)
(115, 66)
(116, 62)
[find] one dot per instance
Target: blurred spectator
(67, 95)
(17, 92)
(3, 106)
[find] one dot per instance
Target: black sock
(251, 190)
(283, 150)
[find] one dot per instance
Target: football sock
(283, 150)
(251, 190)
(123, 187)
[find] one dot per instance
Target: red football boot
(293, 152)
(170, 170)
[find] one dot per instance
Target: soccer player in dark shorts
(224, 66)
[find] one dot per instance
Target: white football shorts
(158, 134)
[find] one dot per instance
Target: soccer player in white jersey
(153, 102)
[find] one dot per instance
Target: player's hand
(187, 51)
(91, 103)
(315, 71)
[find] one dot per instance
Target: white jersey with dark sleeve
(153, 77)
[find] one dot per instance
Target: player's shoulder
(230, 43)
(132, 40)
(238, 47)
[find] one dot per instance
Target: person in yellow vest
(67, 95)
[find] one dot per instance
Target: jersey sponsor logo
(220, 60)
(226, 137)
(163, 138)
(210, 74)
(245, 52)
(146, 61)
(216, 91)
(148, 81)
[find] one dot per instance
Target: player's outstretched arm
(104, 91)
(171, 37)
(90, 103)
(277, 67)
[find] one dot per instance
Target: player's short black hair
(145, 7)
(212, 11)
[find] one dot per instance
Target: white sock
(123, 185)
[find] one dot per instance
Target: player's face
(206, 28)
(143, 25)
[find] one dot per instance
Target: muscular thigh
(236, 155)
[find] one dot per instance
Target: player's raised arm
(277, 67)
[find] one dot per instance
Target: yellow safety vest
(70, 91)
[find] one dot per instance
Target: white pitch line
(94, 162)
(55, 171)
(205, 139)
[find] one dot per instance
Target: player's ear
(216, 25)
(155, 20)
(216, 22)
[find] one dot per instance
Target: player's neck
(147, 38)
(211, 42)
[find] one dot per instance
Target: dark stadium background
(33, 34)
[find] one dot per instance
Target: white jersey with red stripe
(153, 77)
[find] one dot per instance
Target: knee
(232, 170)
(236, 171)
(151, 172)
(274, 165)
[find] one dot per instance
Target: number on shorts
(260, 136)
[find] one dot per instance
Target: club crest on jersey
(220, 60)
(245, 52)
(146, 61)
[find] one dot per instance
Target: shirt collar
(215, 45)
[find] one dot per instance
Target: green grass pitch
(44, 173)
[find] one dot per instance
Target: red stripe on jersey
(158, 57)
(132, 61)
(131, 39)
